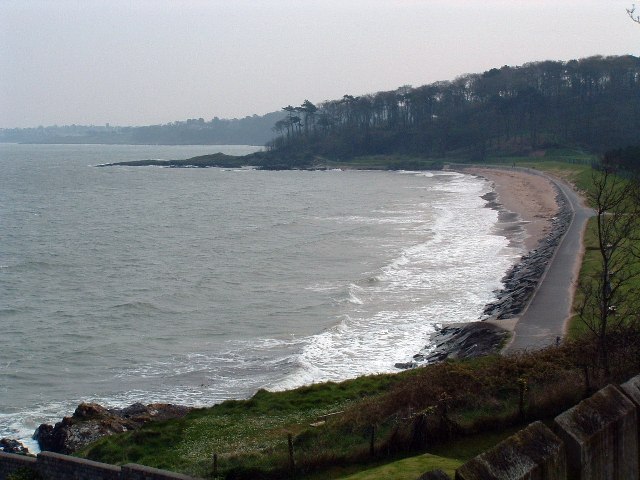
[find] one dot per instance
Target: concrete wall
(132, 471)
(63, 467)
(53, 466)
(10, 462)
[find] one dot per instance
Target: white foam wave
(447, 278)
(353, 298)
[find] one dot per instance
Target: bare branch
(632, 14)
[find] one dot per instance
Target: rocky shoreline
(473, 339)
(92, 421)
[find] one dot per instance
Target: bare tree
(610, 295)
(635, 16)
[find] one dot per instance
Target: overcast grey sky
(141, 62)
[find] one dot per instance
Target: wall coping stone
(531, 453)
(43, 456)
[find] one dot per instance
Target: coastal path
(546, 316)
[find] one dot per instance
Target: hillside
(253, 130)
(592, 104)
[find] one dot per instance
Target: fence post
(292, 465)
(215, 465)
(372, 440)
(522, 389)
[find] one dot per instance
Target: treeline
(593, 103)
(251, 130)
(623, 159)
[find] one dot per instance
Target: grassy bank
(452, 411)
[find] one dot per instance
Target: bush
(24, 473)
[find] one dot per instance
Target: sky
(142, 62)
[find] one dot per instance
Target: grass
(590, 266)
(235, 429)
(452, 411)
(408, 468)
(446, 457)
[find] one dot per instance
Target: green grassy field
(408, 468)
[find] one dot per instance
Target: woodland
(591, 103)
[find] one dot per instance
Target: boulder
(92, 421)
(9, 445)
(460, 340)
(434, 475)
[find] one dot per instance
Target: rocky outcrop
(91, 421)
(460, 340)
(8, 445)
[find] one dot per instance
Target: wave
(142, 308)
(353, 298)
(443, 279)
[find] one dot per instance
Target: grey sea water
(192, 286)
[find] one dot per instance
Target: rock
(405, 365)
(462, 340)
(434, 475)
(92, 421)
(9, 445)
(87, 411)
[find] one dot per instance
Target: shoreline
(481, 337)
(532, 212)
(524, 198)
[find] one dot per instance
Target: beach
(531, 197)
(536, 301)
(535, 213)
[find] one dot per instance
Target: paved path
(549, 310)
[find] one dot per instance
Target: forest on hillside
(592, 103)
(251, 130)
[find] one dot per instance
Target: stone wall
(533, 453)
(601, 435)
(54, 466)
(596, 439)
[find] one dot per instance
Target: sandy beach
(532, 197)
(552, 211)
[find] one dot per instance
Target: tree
(289, 109)
(309, 110)
(610, 294)
(632, 14)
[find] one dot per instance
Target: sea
(192, 286)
